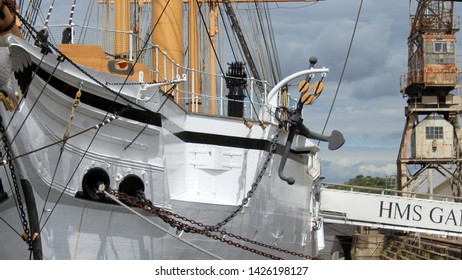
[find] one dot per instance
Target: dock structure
(428, 196)
(383, 216)
(431, 137)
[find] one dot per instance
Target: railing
(384, 191)
(415, 77)
(162, 69)
(421, 248)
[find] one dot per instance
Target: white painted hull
(85, 230)
(202, 181)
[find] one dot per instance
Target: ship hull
(79, 229)
(197, 166)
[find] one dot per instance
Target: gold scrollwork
(10, 103)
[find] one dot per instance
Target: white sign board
(391, 211)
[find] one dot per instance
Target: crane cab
(439, 60)
(432, 66)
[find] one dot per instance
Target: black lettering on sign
(395, 211)
(439, 215)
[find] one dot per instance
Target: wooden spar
(215, 1)
(122, 25)
(167, 21)
(213, 65)
(193, 57)
(168, 35)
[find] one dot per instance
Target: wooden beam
(219, 1)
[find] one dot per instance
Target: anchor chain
(257, 181)
(191, 226)
(26, 236)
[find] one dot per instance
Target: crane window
(440, 47)
(434, 132)
(439, 52)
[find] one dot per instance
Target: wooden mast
(193, 57)
(167, 21)
(122, 25)
(213, 64)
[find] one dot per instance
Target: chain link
(175, 220)
(255, 184)
(191, 226)
(188, 225)
(27, 237)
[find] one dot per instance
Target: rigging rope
(10, 226)
(35, 103)
(216, 56)
(210, 39)
(32, 12)
(32, 31)
(114, 198)
(191, 226)
(272, 64)
(235, 58)
(227, 32)
(86, 20)
(98, 127)
(24, 93)
(49, 13)
(343, 69)
(275, 61)
(61, 151)
(158, 110)
(27, 236)
(106, 121)
(50, 186)
(71, 15)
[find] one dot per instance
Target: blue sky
(369, 108)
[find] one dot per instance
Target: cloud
(342, 165)
(369, 108)
(384, 170)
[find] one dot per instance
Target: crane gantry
(431, 137)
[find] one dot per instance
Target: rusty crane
(431, 137)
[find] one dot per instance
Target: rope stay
(47, 20)
(344, 67)
(191, 226)
(108, 119)
(159, 227)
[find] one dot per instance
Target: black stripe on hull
(99, 102)
(156, 119)
(238, 142)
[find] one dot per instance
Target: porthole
(131, 184)
(91, 182)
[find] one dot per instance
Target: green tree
(367, 181)
(373, 182)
